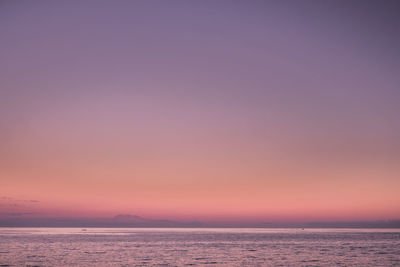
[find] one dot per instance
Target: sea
(198, 247)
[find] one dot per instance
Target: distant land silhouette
(129, 220)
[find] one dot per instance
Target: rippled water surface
(190, 247)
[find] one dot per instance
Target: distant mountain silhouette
(128, 217)
(131, 220)
(120, 220)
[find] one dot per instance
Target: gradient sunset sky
(205, 110)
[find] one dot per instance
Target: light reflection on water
(198, 246)
(127, 231)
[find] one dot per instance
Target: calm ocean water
(191, 247)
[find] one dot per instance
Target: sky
(200, 110)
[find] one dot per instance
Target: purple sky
(201, 109)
